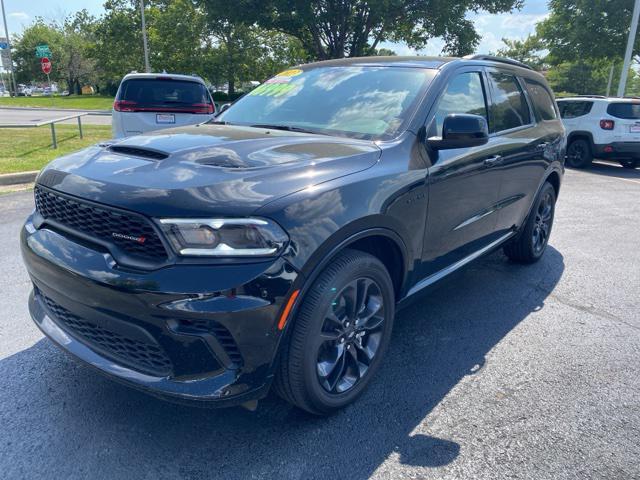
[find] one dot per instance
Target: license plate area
(634, 128)
(165, 118)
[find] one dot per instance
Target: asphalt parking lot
(504, 371)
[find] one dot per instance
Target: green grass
(88, 102)
(25, 149)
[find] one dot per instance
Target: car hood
(206, 169)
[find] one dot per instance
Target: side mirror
(224, 106)
(461, 130)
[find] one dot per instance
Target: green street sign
(43, 51)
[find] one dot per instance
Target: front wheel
(629, 163)
(339, 335)
(532, 241)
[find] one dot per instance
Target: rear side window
(570, 109)
(542, 100)
(148, 94)
(464, 94)
(509, 108)
(630, 111)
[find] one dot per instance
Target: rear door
(146, 104)
(522, 142)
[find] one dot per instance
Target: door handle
(492, 161)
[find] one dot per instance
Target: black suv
(274, 243)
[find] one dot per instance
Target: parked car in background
(274, 243)
(149, 101)
(24, 90)
(601, 127)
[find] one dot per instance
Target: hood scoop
(138, 152)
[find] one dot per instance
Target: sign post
(45, 64)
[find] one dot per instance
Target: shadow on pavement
(611, 169)
(61, 419)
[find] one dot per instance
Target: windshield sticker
(279, 80)
(290, 73)
(272, 89)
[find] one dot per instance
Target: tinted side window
(464, 94)
(509, 109)
(570, 109)
(542, 100)
(629, 111)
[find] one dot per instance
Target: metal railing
(51, 123)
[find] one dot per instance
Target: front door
(463, 183)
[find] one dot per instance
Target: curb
(46, 109)
(16, 178)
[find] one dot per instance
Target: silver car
(151, 101)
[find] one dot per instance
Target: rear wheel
(579, 154)
(629, 163)
(339, 335)
(532, 241)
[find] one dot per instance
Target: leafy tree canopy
(351, 28)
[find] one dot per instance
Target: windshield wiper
(288, 128)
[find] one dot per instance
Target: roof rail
(493, 58)
(590, 96)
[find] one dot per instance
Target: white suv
(601, 127)
(150, 101)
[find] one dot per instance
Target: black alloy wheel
(350, 335)
(542, 221)
(338, 337)
(531, 242)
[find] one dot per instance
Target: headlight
(225, 237)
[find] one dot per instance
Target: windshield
(357, 101)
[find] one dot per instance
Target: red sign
(45, 63)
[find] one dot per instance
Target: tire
(579, 154)
(304, 375)
(631, 164)
(531, 242)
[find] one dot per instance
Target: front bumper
(204, 333)
(617, 151)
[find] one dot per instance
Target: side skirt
(431, 279)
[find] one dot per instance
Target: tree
(118, 43)
(244, 51)
(350, 28)
(529, 51)
(27, 64)
(76, 64)
(579, 29)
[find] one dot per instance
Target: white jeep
(607, 128)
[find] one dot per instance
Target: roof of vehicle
(419, 61)
(600, 98)
(173, 76)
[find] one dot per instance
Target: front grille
(144, 356)
(131, 233)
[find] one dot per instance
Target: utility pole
(6, 33)
(147, 68)
(631, 40)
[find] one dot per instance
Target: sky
(492, 28)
